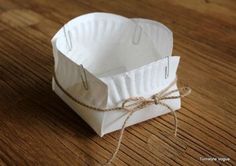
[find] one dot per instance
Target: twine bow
(133, 104)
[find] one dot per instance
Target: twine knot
(156, 99)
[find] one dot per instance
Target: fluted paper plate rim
(138, 81)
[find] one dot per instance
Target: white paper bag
(116, 58)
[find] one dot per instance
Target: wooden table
(37, 128)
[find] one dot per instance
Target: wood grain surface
(38, 128)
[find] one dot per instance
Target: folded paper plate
(101, 59)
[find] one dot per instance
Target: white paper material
(121, 58)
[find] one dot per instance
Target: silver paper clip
(137, 34)
(68, 38)
(84, 77)
(167, 68)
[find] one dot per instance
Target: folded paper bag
(102, 59)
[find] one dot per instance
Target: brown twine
(133, 104)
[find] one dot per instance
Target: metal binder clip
(84, 77)
(167, 67)
(68, 38)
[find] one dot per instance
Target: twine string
(133, 104)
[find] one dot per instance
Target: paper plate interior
(108, 44)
